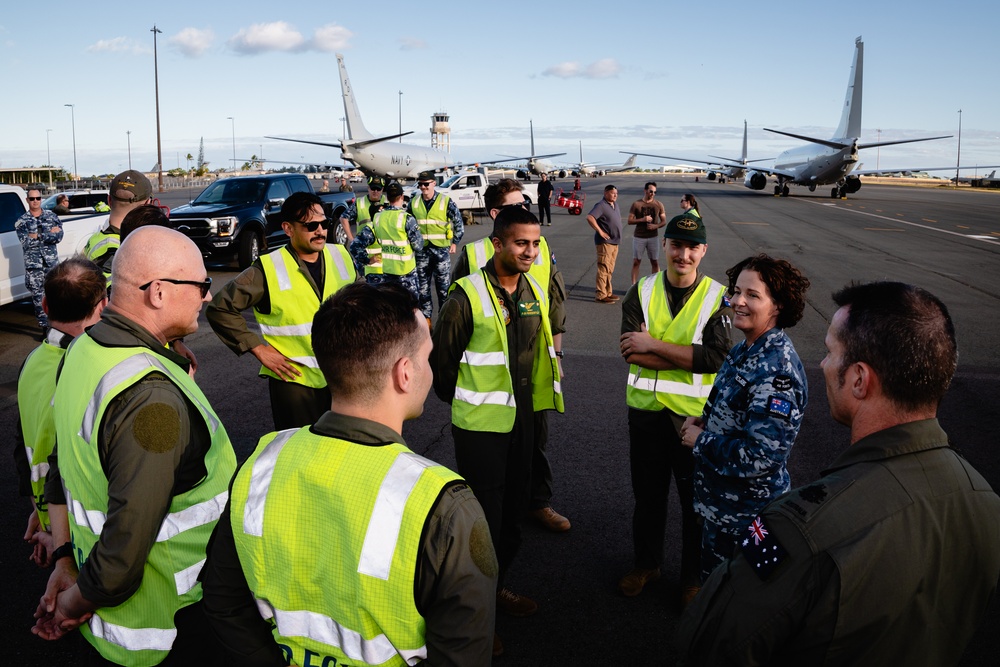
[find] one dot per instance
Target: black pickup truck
(241, 216)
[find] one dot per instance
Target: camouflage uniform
(40, 254)
(434, 262)
(751, 419)
(359, 253)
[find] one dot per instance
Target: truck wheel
(249, 249)
(527, 203)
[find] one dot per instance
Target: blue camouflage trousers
(433, 263)
(34, 280)
(409, 281)
(717, 546)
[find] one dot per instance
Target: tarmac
(944, 240)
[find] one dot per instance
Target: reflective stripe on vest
(484, 393)
(36, 386)
(294, 302)
(680, 391)
(382, 497)
(397, 253)
(364, 206)
(434, 224)
(140, 630)
(374, 265)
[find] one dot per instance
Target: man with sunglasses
(39, 232)
(141, 468)
(129, 190)
(285, 288)
(363, 209)
(396, 238)
(442, 228)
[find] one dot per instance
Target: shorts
(651, 246)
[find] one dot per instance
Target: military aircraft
(590, 168)
(828, 161)
(382, 157)
(536, 164)
(730, 168)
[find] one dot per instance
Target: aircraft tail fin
(993, 174)
(744, 158)
(355, 128)
(850, 119)
(630, 162)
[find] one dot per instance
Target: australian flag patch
(762, 550)
(780, 407)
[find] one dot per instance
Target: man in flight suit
(494, 361)
(407, 570)
(890, 558)
(129, 190)
(285, 288)
(140, 473)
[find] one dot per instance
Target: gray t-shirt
(609, 219)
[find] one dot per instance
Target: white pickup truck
(467, 188)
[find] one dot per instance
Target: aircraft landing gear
(784, 191)
(834, 193)
(777, 190)
(812, 187)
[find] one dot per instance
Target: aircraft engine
(852, 184)
(522, 174)
(755, 180)
(711, 175)
(562, 173)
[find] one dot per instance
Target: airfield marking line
(883, 229)
(962, 226)
(911, 224)
(752, 223)
(928, 220)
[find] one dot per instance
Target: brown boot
(551, 519)
(513, 604)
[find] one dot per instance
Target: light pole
(72, 116)
(128, 138)
(401, 115)
(233, 121)
(48, 150)
(156, 80)
(958, 161)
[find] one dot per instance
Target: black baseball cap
(686, 228)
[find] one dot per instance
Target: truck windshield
(451, 181)
(232, 191)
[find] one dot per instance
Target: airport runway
(945, 241)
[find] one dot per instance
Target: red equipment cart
(572, 201)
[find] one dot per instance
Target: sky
(664, 77)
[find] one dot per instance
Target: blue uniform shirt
(751, 419)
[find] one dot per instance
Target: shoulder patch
(814, 493)
(725, 302)
(780, 407)
(762, 549)
(782, 382)
(156, 428)
(481, 548)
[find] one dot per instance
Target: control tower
(440, 132)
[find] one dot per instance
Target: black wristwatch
(559, 353)
(62, 552)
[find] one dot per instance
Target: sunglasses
(205, 284)
(34, 199)
(315, 224)
(425, 184)
(520, 204)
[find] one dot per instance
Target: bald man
(145, 464)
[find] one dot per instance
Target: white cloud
(264, 37)
(605, 68)
(192, 42)
(411, 44)
(331, 37)
(563, 70)
(119, 45)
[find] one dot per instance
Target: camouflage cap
(688, 228)
(131, 186)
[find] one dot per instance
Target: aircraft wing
(511, 158)
(303, 141)
(339, 167)
(732, 165)
(875, 172)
